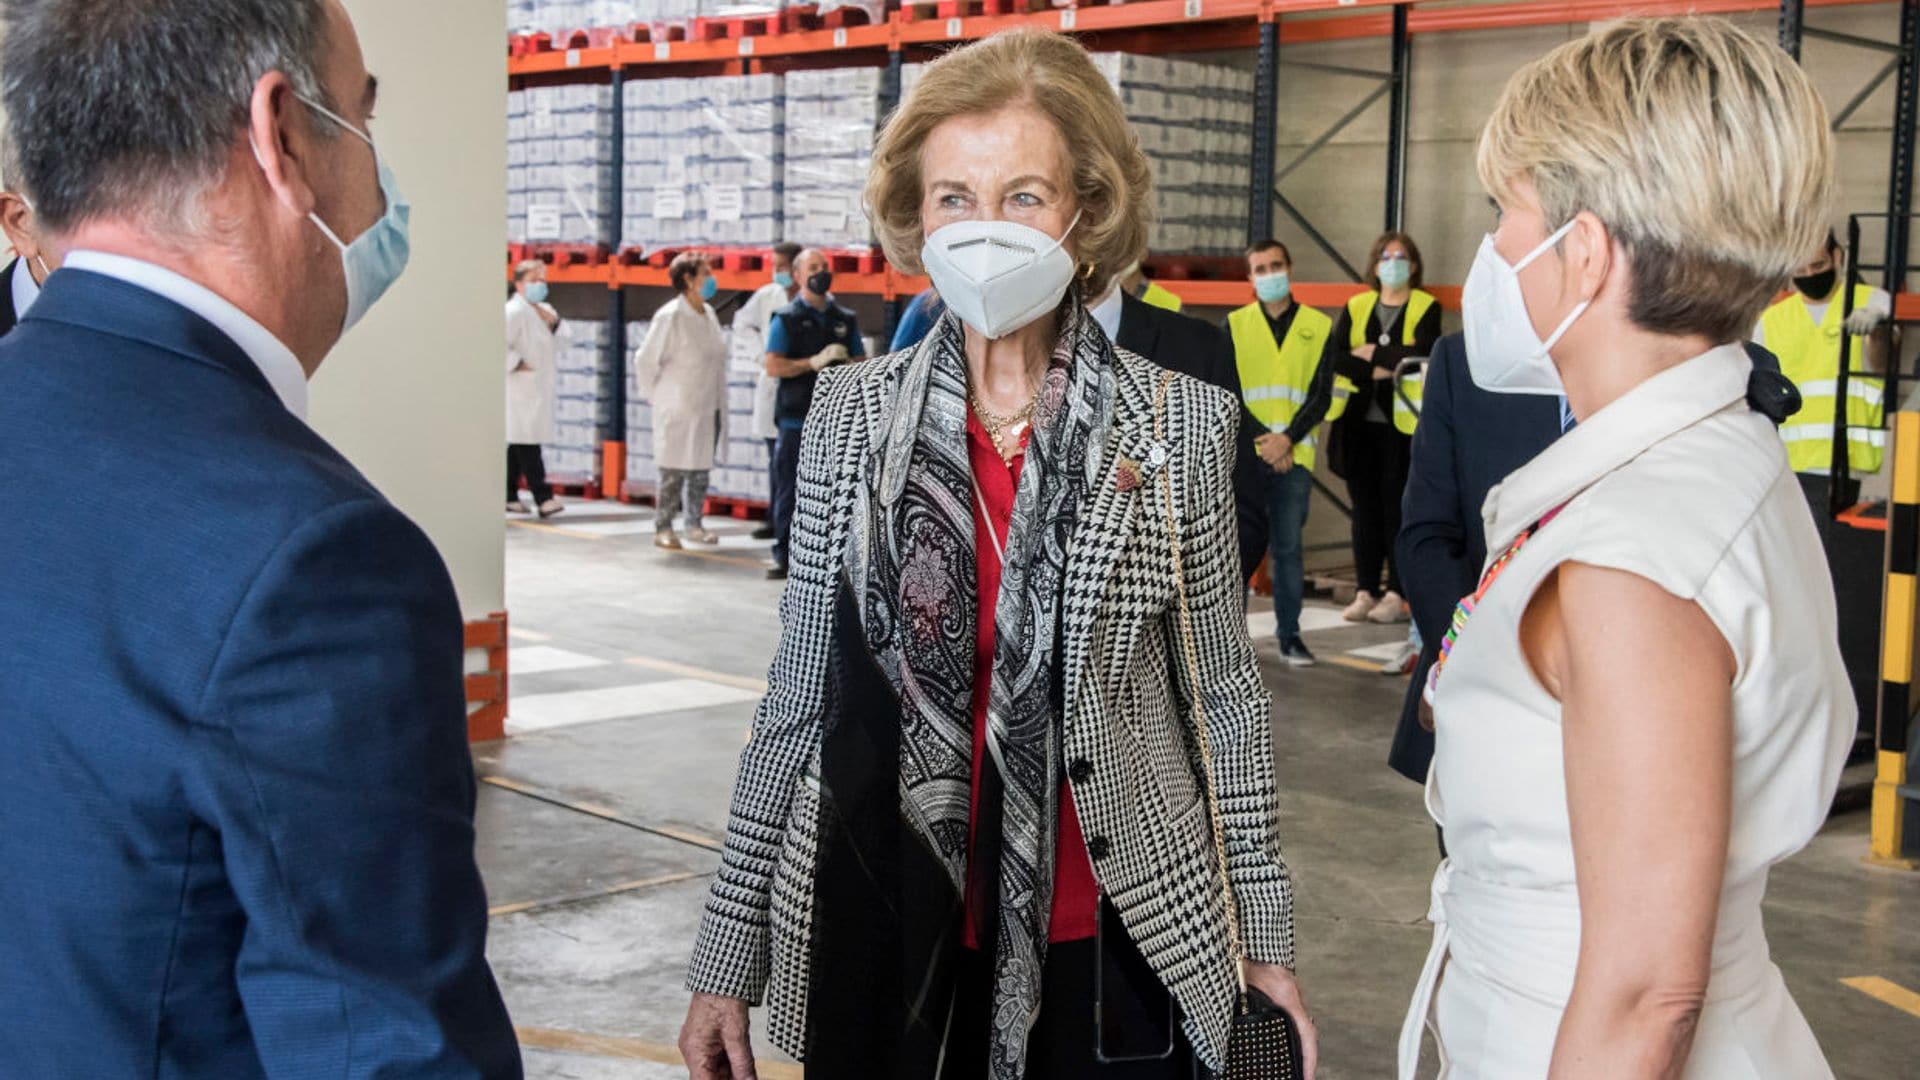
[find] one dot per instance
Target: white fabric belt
(1527, 942)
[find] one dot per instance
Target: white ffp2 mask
(1504, 352)
(998, 276)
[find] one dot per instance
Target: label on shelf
(1194, 9)
(1069, 17)
(669, 204)
(840, 38)
(573, 58)
(726, 202)
(663, 50)
(954, 28)
(746, 46)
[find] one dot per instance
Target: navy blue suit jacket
(236, 802)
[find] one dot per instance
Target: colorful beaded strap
(1465, 608)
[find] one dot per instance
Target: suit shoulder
(1186, 394)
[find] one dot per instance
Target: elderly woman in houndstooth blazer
(971, 835)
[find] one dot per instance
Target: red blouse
(1076, 896)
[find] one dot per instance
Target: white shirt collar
(275, 361)
(25, 289)
(1107, 312)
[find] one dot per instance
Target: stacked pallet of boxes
(704, 162)
(583, 403)
(643, 473)
(560, 165)
(831, 119)
(1195, 122)
(565, 16)
(740, 466)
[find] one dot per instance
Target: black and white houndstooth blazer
(1131, 754)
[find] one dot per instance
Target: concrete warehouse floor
(635, 674)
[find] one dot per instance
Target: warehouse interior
(612, 684)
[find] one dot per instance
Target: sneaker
(777, 572)
(516, 507)
(765, 532)
(1390, 609)
(1294, 651)
(552, 507)
(666, 540)
(1403, 662)
(700, 535)
(1361, 607)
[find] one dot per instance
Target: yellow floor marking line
(1887, 992)
(596, 894)
(611, 1046)
(556, 530)
(670, 667)
(1355, 663)
(684, 836)
(714, 556)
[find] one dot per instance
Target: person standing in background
(1373, 438)
(922, 312)
(812, 334)
(234, 773)
(534, 333)
(1286, 378)
(750, 326)
(1135, 283)
(20, 282)
(681, 369)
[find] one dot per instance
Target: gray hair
(131, 107)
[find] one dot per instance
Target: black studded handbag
(1263, 1043)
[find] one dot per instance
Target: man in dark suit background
(234, 780)
(1468, 441)
(1192, 347)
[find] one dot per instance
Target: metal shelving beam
(1792, 25)
(1401, 46)
(617, 300)
(1906, 115)
(1266, 114)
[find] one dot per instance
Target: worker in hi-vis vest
(1286, 378)
(1136, 283)
(1805, 331)
(1372, 438)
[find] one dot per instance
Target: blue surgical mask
(1273, 288)
(537, 293)
(376, 258)
(783, 279)
(710, 288)
(1394, 272)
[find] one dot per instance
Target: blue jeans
(1288, 495)
(786, 484)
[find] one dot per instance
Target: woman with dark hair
(681, 369)
(1372, 438)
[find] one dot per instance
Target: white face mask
(1504, 353)
(998, 276)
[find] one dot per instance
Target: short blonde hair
(1112, 180)
(1704, 150)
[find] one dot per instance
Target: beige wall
(413, 396)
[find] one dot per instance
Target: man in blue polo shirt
(811, 335)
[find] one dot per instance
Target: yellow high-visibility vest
(1160, 297)
(1810, 356)
(1359, 312)
(1275, 377)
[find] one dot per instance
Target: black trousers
(1138, 1024)
(523, 459)
(1378, 457)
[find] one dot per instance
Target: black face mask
(1818, 286)
(821, 283)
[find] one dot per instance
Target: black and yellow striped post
(1894, 807)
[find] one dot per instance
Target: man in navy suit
(1469, 439)
(236, 803)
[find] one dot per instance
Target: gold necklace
(997, 424)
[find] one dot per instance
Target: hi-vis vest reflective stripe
(1810, 356)
(1359, 313)
(1276, 376)
(1160, 298)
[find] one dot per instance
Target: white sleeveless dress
(1680, 483)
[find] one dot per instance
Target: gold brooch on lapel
(1126, 475)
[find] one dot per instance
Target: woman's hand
(715, 1041)
(1283, 990)
(1365, 352)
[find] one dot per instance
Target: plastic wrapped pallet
(831, 119)
(582, 405)
(643, 474)
(565, 16)
(704, 162)
(560, 165)
(1195, 123)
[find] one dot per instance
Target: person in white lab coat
(750, 325)
(534, 334)
(681, 369)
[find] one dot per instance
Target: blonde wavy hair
(1112, 180)
(1704, 150)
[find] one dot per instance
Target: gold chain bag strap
(1263, 1043)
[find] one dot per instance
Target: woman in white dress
(681, 369)
(1643, 707)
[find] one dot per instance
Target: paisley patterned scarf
(911, 562)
